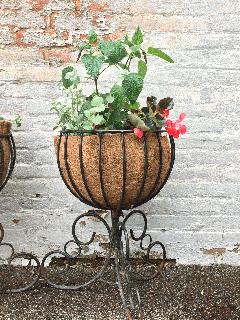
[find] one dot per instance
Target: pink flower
(138, 133)
(176, 128)
(165, 113)
(182, 116)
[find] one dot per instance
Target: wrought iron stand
(9, 139)
(118, 256)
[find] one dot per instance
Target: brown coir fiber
(112, 167)
(5, 149)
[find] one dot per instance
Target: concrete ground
(180, 293)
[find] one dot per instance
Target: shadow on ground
(180, 293)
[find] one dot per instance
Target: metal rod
(159, 168)
(101, 173)
(103, 131)
(12, 148)
(172, 159)
(94, 203)
(145, 170)
(124, 168)
(76, 191)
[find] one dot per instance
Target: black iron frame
(10, 140)
(100, 133)
(119, 235)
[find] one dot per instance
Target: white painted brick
(19, 20)
(197, 212)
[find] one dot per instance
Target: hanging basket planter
(114, 169)
(7, 157)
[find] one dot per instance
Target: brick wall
(197, 213)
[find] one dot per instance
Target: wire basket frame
(85, 192)
(7, 139)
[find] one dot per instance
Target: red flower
(138, 133)
(165, 113)
(176, 128)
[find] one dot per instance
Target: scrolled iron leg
(128, 291)
(120, 237)
(130, 296)
(125, 276)
(145, 249)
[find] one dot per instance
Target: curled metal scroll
(32, 261)
(69, 258)
(148, 249)
(118, 254)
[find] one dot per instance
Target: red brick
(52, 21)
(83, 37)
(96, 7)
(96, 19)
(65, 35)
(77, 5)
(20, 37)
(112, 36)
(39, 5)
(63, 55)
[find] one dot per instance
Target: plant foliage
(119, 108)
(17, 120)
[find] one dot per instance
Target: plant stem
(103, 70)
(127, 61)
(130, 59)
(96, 85)
(144, 55)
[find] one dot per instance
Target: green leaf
(142, 68)
(84, 46)
(135, 106)
(159, 53)
(18, 121)
(136, 51)
(113, 51)
(88, 113)
(98, 109)
(120, 99)
(97, 119)
(137, 122)
(117, 119)
(92, 36)
(72, 77)
(1, 118)
(166, 103)
(65, 80)
(123, 66)
(92, 64)
(97, 101)
(86, 106)
(162, 123)
(127, 41)
(109, 98)
(87, 125)
(132, 86)
(137, 37)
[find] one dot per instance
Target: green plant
(17, 120)
(119, 108)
